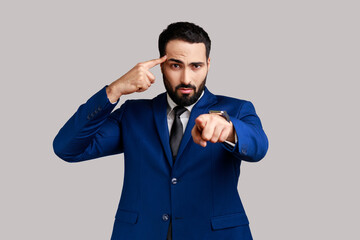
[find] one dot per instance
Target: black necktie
(176, 132)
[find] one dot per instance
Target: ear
(208, 63)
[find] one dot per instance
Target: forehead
(182, 50)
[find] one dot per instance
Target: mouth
(186, 90)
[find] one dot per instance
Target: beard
(184, 99)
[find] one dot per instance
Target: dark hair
(188, 32)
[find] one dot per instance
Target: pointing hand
(213, 128)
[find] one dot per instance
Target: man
(182, 149)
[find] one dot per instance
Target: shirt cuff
(232, 144)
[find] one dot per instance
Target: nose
(185, 77)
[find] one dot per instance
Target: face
(185, 71)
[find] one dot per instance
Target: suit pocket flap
(228, 221)
(125, 216)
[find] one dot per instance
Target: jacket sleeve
(252, 143)
(92, 132)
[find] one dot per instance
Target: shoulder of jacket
(225, 99)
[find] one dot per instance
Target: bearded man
(182, 150)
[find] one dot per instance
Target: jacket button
(165, 217)
(174, 181)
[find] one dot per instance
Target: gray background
(297, 61)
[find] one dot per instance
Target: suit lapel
(159, 110)
(201, 107)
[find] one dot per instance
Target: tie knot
(178, 110)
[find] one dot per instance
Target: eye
(197, 66)
(175, 65)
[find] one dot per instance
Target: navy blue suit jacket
(198, 193)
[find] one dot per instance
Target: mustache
(185, 86)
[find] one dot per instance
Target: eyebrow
(181, 62)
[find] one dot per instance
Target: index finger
(154, 62)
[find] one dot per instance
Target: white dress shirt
(184, 118)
